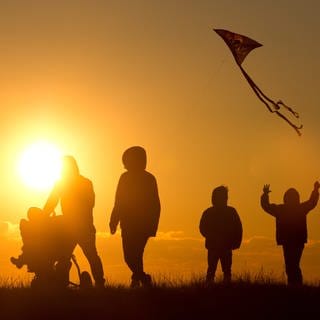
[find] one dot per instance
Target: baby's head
(220, 196)
(135, 159)
(34, 214)
(291, 197)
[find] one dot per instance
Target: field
(244, 298)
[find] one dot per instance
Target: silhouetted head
(34, 213)
(291, 197)
(135, 158)
(220, 196)
(69, 168)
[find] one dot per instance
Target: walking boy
(137, 209)
(222, 228)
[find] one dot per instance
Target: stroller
(44, 239)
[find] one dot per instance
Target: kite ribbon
(275, 105)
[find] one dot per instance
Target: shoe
(227, 279)
(146, 281)
(210, 278)
(86, 281)
(17, 262)
(99, 284)
(135, 283)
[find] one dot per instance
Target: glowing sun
(39, 165)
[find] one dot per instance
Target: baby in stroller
(44, 240)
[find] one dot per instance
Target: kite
(240, 47)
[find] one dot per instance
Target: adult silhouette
(137, 209)
(76, 196)
(221, 226)
(291, 226)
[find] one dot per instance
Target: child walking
(221, 226)
(137, 209)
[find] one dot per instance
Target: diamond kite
(240, 47)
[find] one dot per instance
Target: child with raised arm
(291, 226)
(222, 228)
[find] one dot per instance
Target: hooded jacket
(222, 228)
(291, 221)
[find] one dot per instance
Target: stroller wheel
(85, 280)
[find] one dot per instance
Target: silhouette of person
(33, 235)
(221, 226)
(291, 227)
(77, 199)
(137, 209)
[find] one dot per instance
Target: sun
(39, 165)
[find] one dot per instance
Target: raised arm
(265, 203)
(313, 200)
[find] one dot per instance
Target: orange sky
(96, 77)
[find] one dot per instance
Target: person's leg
(292, 255)
(296, 257)
(213, 258)
(133, 248)
(128, 251)
(88, 246)
(64, 264)
(143, 277)
(226, 263)
(287, 262)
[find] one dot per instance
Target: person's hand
(266, 188)
(316, 185)
(113, 229)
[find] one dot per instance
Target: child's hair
(135, 158)
(34, 213)
(291, 197)
(219, 195)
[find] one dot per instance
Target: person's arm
(265, 203)
(52, 200)
(115, 215)
(156, 206)
(91, 195)
(237, 234)
(313, 200)
(203, 226)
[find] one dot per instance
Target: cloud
(174, 236)
(4, 227)
(9, 230)
(104, 235)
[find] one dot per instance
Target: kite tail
(281, 103)
(258, 91)
(295, 127)
(275, 105)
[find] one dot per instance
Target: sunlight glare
(39, 165)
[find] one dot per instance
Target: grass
(258, 296)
